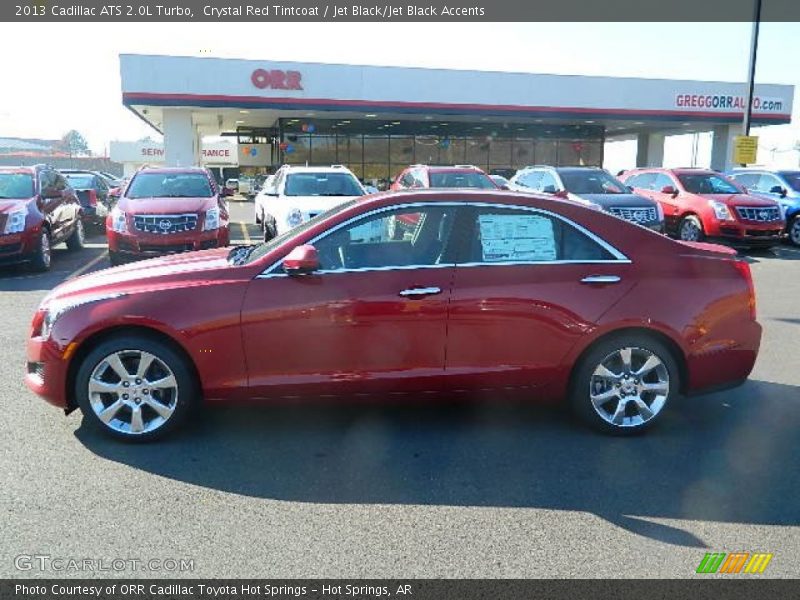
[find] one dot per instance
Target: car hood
(165, 206)
(607, 200)
(175, 270)
(285, 204)
(740, 200)
(9, 206)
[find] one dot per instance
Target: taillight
(744, 271)
(92, 198)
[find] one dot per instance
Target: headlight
(57, 309)
(212, 219)
(294, 218)
(720, 210)
(119, 221)
(16, 221)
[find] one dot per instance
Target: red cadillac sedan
(491, 290)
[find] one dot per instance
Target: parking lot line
(244, 232)
(87, 266)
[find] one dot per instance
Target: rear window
(169, 185)
(16, 185)
(80, 181)
(322, 184)
(455, 179)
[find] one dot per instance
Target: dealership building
(377, 120)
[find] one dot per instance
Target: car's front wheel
(794, 230)
(622, 385)
(270, 227)
(42, 254)
(136, 388)
(78, 237)
(691, 229)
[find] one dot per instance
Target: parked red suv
(167, 210)
(700, 204)
(458, 176)
(38, 209)
(492, 290)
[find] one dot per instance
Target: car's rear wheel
(78, 237)
(623, 384)
(42, 255)
(270, 228)
(691, 229)
(794, 230)
(135, 388)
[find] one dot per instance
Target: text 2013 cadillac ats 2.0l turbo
(489, 289)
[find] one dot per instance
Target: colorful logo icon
(250, 151)
(733, 563)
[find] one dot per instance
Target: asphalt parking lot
(480, 489)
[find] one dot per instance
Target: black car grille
(760, 214)
(636, 214)
(164, 224)
(166, 248)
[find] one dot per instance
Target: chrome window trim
(619, 257)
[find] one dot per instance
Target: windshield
(80, 180)
(16, 185)
(592, 182)
(792, 179)
(169, 185)
(707, 183)
(260, 250)
(322, 184)
(461, 179)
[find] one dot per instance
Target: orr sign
(276, 79)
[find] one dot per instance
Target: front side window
(706, 183)
(748, 180)
(169, 185)
(642, 181)
(322, 184)
(510, 235)
(530, 179)
(767, 183)
(547, 183)
(81, 181)
(16, 186)
(591, 181)
(404, 237)
(792, 179)
(661, 181)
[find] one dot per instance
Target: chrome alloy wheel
(81, 233)
(45, 248)
(133, 392)
(629, 387)
(689, 231)
(794, 231)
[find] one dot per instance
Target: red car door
(526, 288)
(372, 318)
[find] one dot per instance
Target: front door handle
(602, 279)
(420, 291)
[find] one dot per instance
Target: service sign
(148, 152)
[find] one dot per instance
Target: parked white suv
(297, 194)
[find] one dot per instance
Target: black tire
(42, 256)
(794, 230)
(76, 240)
(115, 259)
(186, 396)
(691, 223)
(270, 228)
(584, 382)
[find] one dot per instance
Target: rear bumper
(725, 361)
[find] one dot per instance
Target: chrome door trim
(422, 291)
(601, 279)
(619, 257)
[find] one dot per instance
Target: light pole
(748, 110)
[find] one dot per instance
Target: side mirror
(668, 189)
(629, 188)
(505, 187)
(778, 190)
(114, 192)
(301, 260)
(563, 194)
(226, 192)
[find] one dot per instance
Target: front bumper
(46, 370)
(17, 248)
(742, 233)
(142, 245)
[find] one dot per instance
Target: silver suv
(593, 186)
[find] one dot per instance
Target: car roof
(321, 169)
(466, 195)
(172, 170)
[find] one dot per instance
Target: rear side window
(503, 235)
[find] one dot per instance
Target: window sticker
(517, 237)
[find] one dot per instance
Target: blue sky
(82, 88)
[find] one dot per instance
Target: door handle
(420, 291)
(601, 279)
